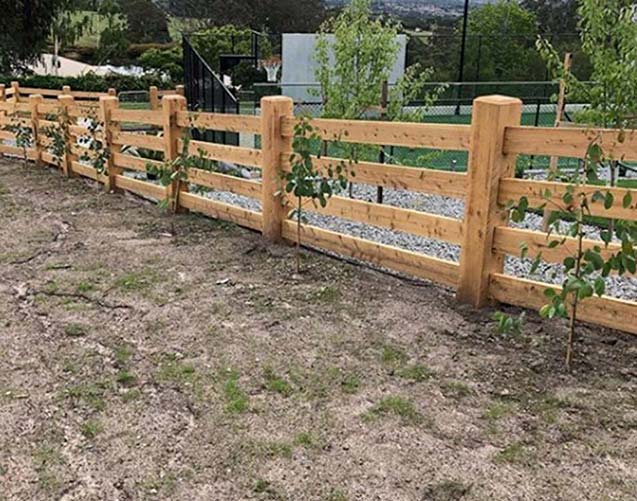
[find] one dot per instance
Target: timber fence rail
(15, 93)
(493, 141)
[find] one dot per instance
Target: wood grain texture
(567, 142)
(222, 211)
(606, 311)
(385, 216)
(220, 121)
(487, 165)
(386, 256)
(223, 182)
(413, 135)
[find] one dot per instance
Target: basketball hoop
(271, 67)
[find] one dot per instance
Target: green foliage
(502, 59)
(145, 21)
(229, 39)
(23, 135)
(176, 170)
(608, 35)
(584, 268)
(98, 152)
(164, 62)
(507, 324)
(59, 135)
(237, 400)
(24, 29)
(89, 82)
(305, 182)
(397, 406)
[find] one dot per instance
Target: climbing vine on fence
(97, 150)
(23, 135)
(59, 135)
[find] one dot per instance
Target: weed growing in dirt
(306, 439)
(137, 280)
(75, 330)
(515, 453)
(397, 406)
(237, 400)
(456, 389)
(45, 459)
(507, 324)
(497, 410)
(336, 495)
(91, 394)
(392, 355)
(90, 429)
(328, 294)
(275, 383)
(416, 372)
(173, 370)
(126, 378)
(447, 490)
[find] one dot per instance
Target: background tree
(112, 39)
(501, 39)
(554, 17)
(24, 29)
(146, 22)
(68, 25)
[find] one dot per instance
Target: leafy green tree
(24, 29)
(146, 23)
(502, 36)
(164, 61)
(112, 38)
(355, 55)
(554, 16)
(68, 26)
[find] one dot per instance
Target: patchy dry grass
(144, 356)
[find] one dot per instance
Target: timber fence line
(15, 93)
(493, 141)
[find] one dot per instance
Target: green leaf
(628, 199)
(608, 200)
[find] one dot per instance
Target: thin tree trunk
(298, 237)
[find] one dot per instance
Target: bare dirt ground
(149, 357)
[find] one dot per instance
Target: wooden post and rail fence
(493, 141)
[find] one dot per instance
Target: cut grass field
(146, 356)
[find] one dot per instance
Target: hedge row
(90, 82)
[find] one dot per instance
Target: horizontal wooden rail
(234, 154)
(508, 241)
(223, 211)
(134, 163)
(606, 311)
(412, 263)
(49, 108)
(438, 182)
(23, 122)
(146, 141)
(44, 92)
(513, 189)
(49, 158)
(395, 218)
(564, 142)
(5, 134)
(137, 116)
(141, 188)
(219, 121)
(19, 152)
(88, 171)
(223, 182)
(413, 135)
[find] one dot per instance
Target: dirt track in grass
(150, 357)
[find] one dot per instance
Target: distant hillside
(416, 7)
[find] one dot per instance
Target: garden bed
(146, 356)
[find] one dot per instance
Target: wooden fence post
(3, 93)
(111, 129)
(172, 134)
(180, 90)
(34, 101)
(273, 145)
(66, 90)
(487, 165)
(66, 102)
(153, 94)
(16, 91)
(112, 92)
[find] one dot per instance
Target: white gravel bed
(623, 287)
